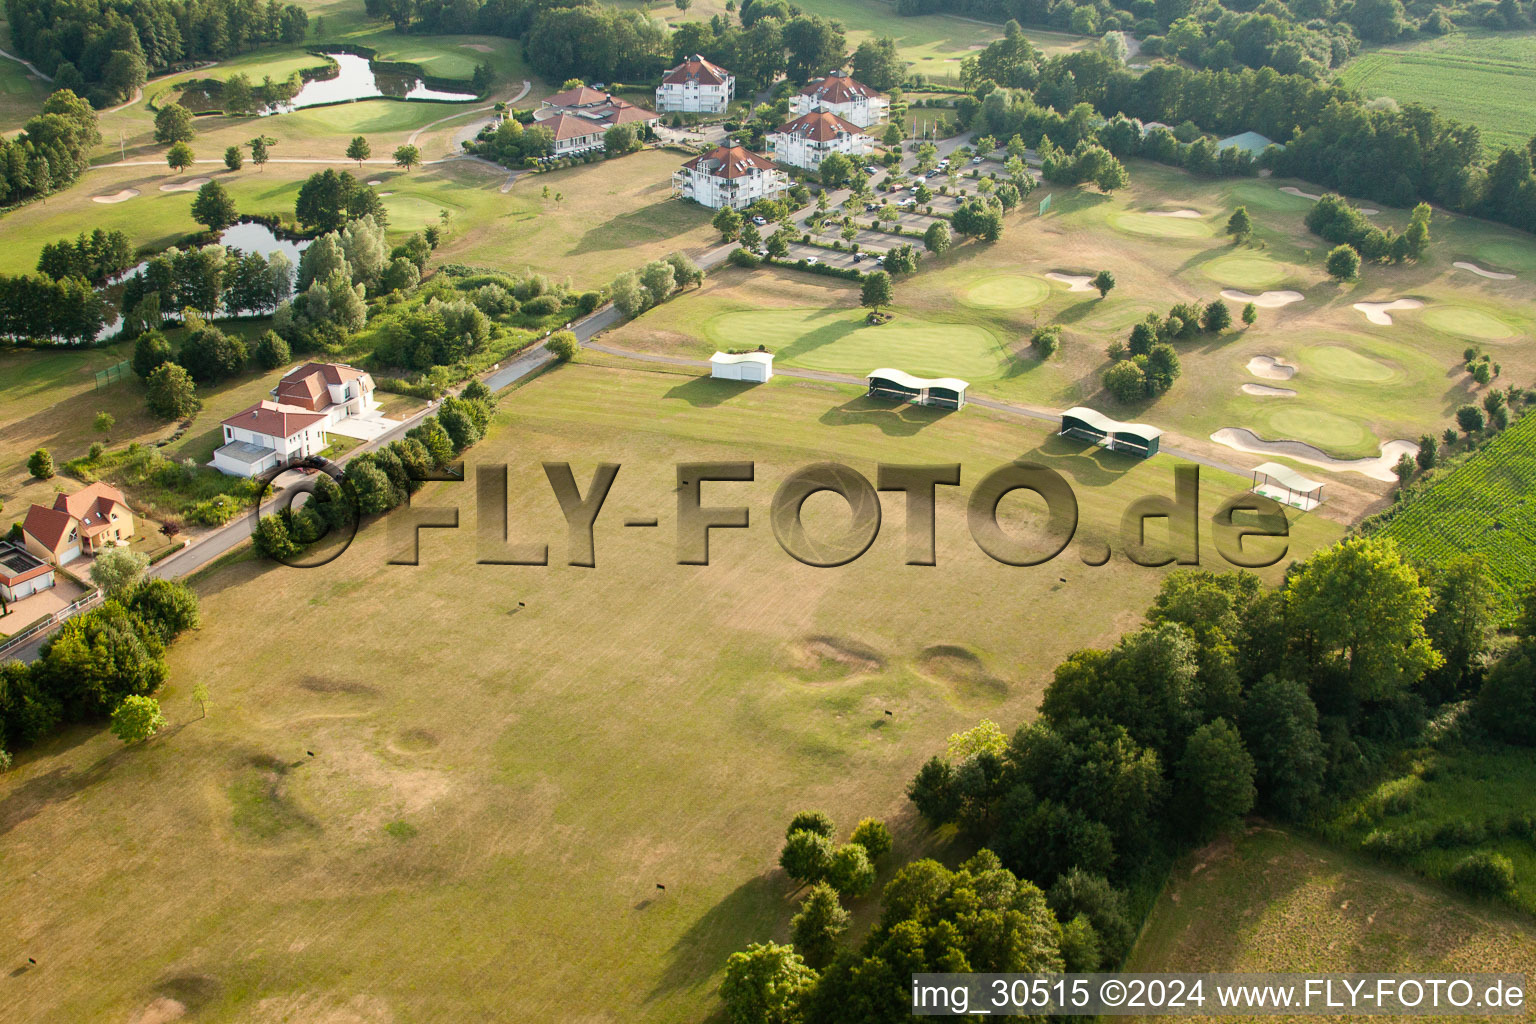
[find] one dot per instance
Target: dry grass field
(1270, 901)
(449, 791)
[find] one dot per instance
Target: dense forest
(105, 49)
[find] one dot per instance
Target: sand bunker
(1292, 190)
(190, 185)
(1271, 368)
(1378, 312)
(1379, 468)
(1073, 282)
(384, 194)
(1267, 300)
(123, 195)
(1492, 275)
(375, 181)
(1266, 390)
(1186, 214)
(479, 47)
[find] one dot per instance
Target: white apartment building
(696, 87)
(806, 141)
(729, 176)
(842, 95)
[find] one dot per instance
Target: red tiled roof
(577, 97)
(92, 505)
(306, 386)
(837, 87)
(568, 126)
(273, 419)
(47, 525)
(729, 162)
(819, 126)
(696, 69)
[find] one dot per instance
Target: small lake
(248, 238)
(358, 80)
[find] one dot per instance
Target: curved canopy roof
(765, 358)
(1288, 477)
(906, 380)
(1099, 421)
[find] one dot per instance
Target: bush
(745, 258)
(1484, 873)
(563, 345)
(542, 305)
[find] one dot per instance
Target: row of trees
(377, 481)
(98, 659)
(40, 308)
(1333, 219)
(94, 257)
(209, 279)
(107, 48)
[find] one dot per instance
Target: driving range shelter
(1136, 439)
(1288, 487)
(940, 392)
(752, 366)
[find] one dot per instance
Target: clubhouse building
(729, 176)
(580, 117)
(696, 87)
(844, 96)
(807, 140)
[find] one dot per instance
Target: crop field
(1271, 901)
(508, 760)
(1477, 77)
(1482, 506)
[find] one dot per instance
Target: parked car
(871, 207)
(759, 221)
(976, 160)
(858, 257)
(811, 261)
(871, 169)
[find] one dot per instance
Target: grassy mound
(1466, 322)
(1135, 223)
(1245, 270)
(1345, 364)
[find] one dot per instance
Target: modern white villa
(335, 389)
(269, 434)
(844, 96)
(729, 176)
(806, 141)
(696, 87)
(580, 117)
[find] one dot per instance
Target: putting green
(1506, 255)
(1346, 364)
(840, 341)
(1466, 322)
(1006, 291)
(1337, 435)
(1134, 223)
(409, 212)
(1248, 271)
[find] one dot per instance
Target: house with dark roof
(85, 522)
(578, 118)
(842, 95)
(729, 176)
(696, 87)
(269, 434)
(806, 141)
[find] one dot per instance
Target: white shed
(753, 366)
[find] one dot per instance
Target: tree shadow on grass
(752, 912)
(898, 419)
(707, 392)
(818, 337)
(1075, 312)
(647, 224)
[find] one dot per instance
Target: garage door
(69, 555)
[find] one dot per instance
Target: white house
(753, 366)
(580, 117)
(844, 96)
(696, 87)
(269, 434)
(335, 389)
(806, 141)
(729, 176)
